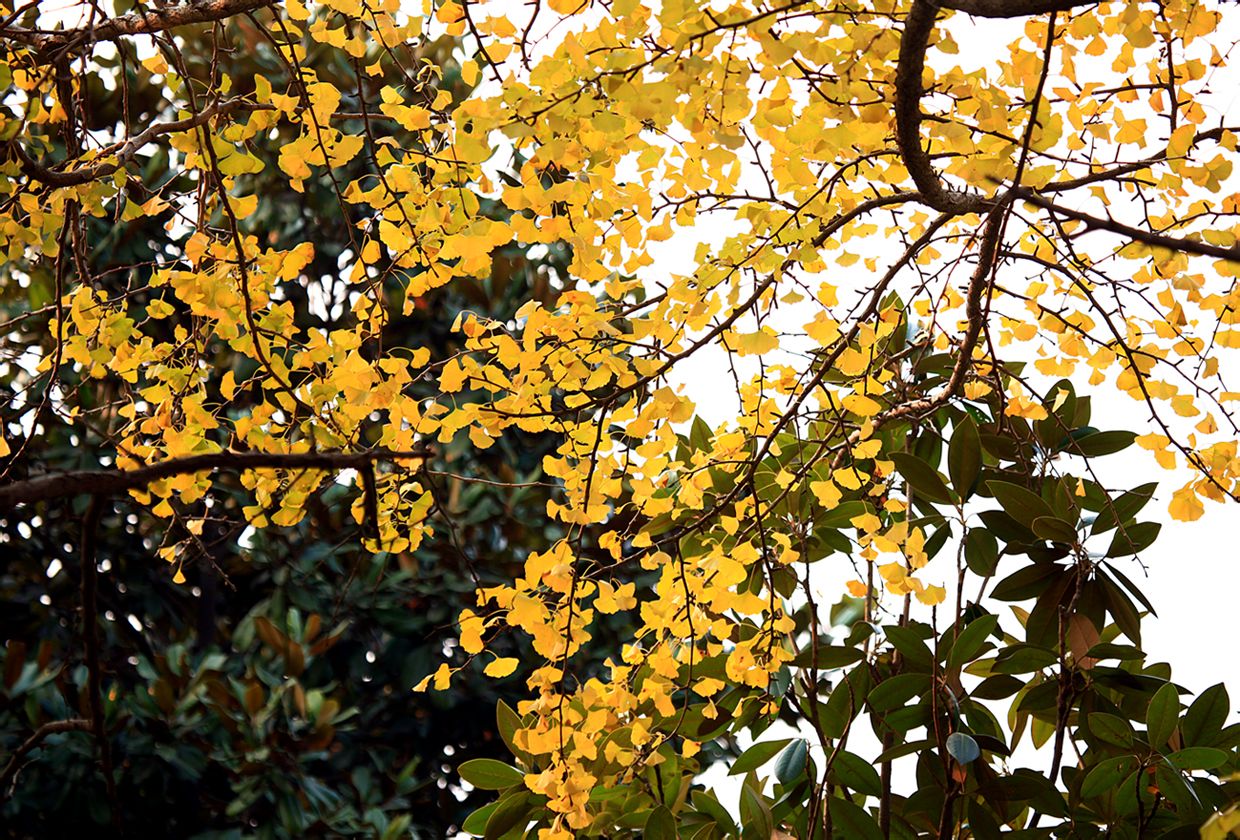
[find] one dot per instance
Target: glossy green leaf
(1163, 714)
(660, 825)
(757, 755)
(922, 478)
(964, 456)
(489, 774)
(792, 761)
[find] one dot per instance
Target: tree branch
(9, 774)
(123, 152)
(1145, 237)
(1013, 8)
(147, 22)
(110, 482)
(918, 25)
(90, 637)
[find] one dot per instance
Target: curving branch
(909, 90)
(30, 744)
(110, 482)
(911, 64)
(122, 153)
(147, 22)
(975, 317)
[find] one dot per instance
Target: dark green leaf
(1029, 582)
(970, 640)
(852, 821)
(489, 774)
(827, 657)
(792, 761)
(1205, 716)
(981, 552)
(901, 750)
(1021, 504)
(1198, 758)
(476, 823)
(507, 723)
(756, 756)
(1106, 775)
(856, 774)
(1121, 609)
(1055, 529)
(1101, 443)
(911, 646)
(1110, 728)
(1107, 650)
(964, 456)
(1023, 659)
(894, 692)
(510, 812)
(1133, 539)
(706, 802)
(1123, 507)
(660, 825)
(997, 687)
(922, 478)
(756, 819)
(1163, 714)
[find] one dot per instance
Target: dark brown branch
(1145, 237)
(918, 25)
(975, 318)
(123, 152)
(1012, 8)
(110, 482)
(1117, 172)
(90, 636)
(914, 42)
(147, 22)
(54, 727)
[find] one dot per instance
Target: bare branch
(123, 152)
(110, 482)
(1145, 237)
(53, 728)
(152, 20)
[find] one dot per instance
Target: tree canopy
(764, 289)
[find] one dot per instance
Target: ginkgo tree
(915, 277)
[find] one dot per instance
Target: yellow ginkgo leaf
(501, 667)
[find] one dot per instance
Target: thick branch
(1012, 8)
(152, 20)
(110, 482)
(1145, 237)
(90, 638)
(918, 25)
(914, 42)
